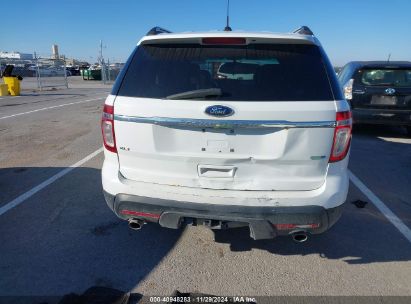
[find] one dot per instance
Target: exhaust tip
(300, 237)
(135, 224)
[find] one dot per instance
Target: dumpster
(13, 84)
(12, 81)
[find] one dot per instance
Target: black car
(74, 71)
(379, 91)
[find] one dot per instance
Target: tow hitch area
(259, 229)
(213, 224)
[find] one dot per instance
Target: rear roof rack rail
(304, 30)
(157, 30)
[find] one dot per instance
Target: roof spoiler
(304, 30)
(157, 30)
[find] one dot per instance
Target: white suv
(184, 146)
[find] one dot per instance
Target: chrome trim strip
(225, 124)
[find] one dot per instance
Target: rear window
(255, 72)
(386, 77)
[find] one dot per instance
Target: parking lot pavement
(46, 139)
(28, 103)
(63, 238)
(380, 156)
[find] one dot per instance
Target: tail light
(347, 88)
(107, 128)
(342, 136)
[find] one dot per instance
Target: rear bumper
(264, 222)
(382, 116)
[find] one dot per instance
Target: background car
(73, 71)
(379, 92)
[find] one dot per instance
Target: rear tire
(408, 128)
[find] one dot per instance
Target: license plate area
(384, 100)
(259, 143)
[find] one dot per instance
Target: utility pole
(100, 57)
(102, 64)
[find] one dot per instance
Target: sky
(348, 29)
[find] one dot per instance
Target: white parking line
(381, 207)
(20, 199)
(52, 107)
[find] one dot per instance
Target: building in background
(16, 55)
(55, 51)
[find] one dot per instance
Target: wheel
(408, 128)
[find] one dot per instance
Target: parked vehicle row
(31, 70)
(49, 71)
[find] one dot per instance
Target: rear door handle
(212, 171)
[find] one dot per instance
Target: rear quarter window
(255, 72)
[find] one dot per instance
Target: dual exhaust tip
(299, 236)
(135, 224)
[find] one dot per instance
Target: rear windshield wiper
(202, 93)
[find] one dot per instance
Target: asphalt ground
(61, 237)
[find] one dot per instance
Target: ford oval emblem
(390, 91)
(219, 111)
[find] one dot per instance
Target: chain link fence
(51, 72)
(45, 72)
(23, 68)
(41, 72)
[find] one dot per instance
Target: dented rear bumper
(264, 222)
